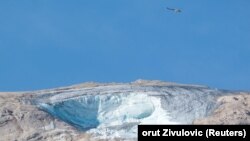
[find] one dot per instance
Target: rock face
(95, 111)
(233, 109)
(21, 121)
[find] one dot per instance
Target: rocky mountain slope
(96, 111)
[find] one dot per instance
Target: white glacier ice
(115, 111)
(135, 108)
(104, 113)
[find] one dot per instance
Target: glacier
(114, 111)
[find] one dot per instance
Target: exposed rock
(24, 122)
(233, 109)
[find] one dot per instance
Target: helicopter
(176, 10)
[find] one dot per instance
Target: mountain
(112, 111)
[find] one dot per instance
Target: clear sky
(51, 43)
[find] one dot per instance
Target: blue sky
(51, 43)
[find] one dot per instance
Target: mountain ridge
(108, 109)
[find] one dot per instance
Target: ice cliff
(116, 110)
